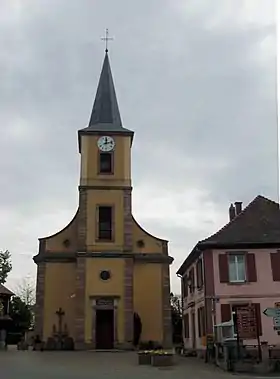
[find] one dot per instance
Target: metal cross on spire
(106, 39)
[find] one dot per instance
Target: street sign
(246, 322)
(276, 320)
(275, 313)
(272, 312)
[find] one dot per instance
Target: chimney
(238, 207)
(232, 213)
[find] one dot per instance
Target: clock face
(106, 143)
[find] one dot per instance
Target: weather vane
(106, 39)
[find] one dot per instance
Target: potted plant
(144, 357)
(161, 358)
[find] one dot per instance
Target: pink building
(237, 266)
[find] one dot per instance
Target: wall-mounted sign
(275, 313)
(246, 321)
(104, 302)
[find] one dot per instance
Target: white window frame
(236, 269)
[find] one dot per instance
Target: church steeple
(105, 116)
(105, 112)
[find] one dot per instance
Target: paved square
(90, 365)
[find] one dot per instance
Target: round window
(105, 275)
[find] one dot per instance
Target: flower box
(144, 357)
(162, 360)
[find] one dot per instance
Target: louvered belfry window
(105, 223)
(106, 163)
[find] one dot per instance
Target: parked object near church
(156, 358)
(162, 358)
(145, 357)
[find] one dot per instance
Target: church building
(103, 278)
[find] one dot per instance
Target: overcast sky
(195, 80)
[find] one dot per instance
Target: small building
(103, 280)
(5, 297)
(235, 267)
(5, 319)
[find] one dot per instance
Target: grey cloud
(197, 87)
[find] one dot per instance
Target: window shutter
(186, 325)
(203, 332)
(223, 268)
(251, 267)
(258, 317)
(225, 312)
(201, 272)
(185, 286)
(275, 266)
(197, 274)
(199, 321)
(192, 278)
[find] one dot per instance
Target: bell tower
(105, 176)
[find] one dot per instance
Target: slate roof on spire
(105, 108)
(105, 116)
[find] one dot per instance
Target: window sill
(105, 173)
(101, 240)
(238, 283)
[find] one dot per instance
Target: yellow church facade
(103, 271)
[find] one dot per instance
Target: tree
(5, 265)
(25, 290)
(20, 314)
(176, 316)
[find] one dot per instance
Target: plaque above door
(103, 302)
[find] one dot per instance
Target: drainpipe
(206, 310)
(182, 304)
(182, 295)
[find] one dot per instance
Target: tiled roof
(258, 225)
(5, 291)
(259, 222)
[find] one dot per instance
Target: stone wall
(166, 307)
(128, 302)
(80, 303)
(40, 292)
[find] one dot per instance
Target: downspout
(182, 303)
(204, 282)
(182, 295)
(206, 309)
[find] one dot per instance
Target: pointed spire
(105, 112)
(105, 115)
